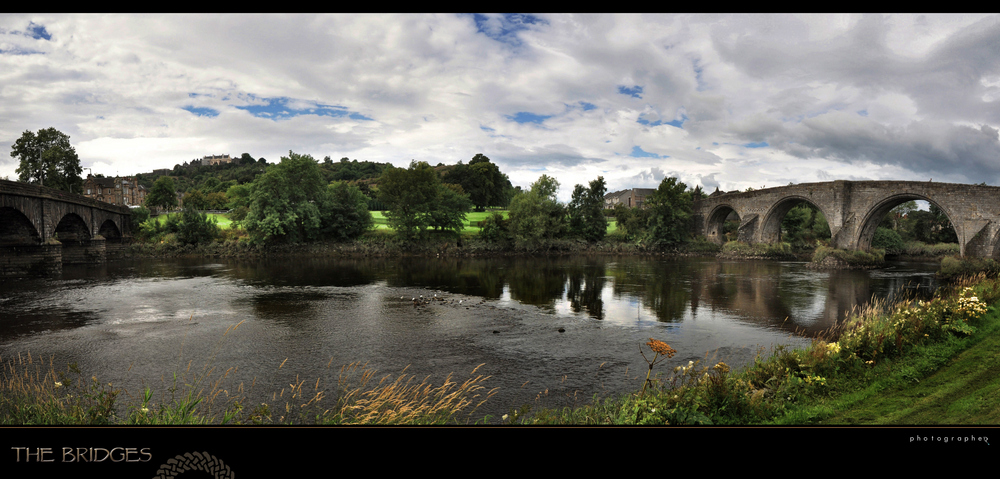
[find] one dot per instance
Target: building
(216, 160)
(633, 198)
(120, 190)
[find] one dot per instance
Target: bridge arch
(873, 217)
(110, 231)
(72, 227)
(770, 230)
(716, 222)
(16, 228)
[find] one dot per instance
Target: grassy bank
(884, 352)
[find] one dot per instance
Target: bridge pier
(31, 260)
(84, 251)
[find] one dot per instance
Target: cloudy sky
(728, 101)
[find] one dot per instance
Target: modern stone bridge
(43, 228)
(854, 210)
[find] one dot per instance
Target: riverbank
(883, 351)
(386, 244)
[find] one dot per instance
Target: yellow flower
(660, 347)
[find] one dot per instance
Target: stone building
(632, 198)
(120, 190)
(216, 160)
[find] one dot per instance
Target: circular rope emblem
(194, 461)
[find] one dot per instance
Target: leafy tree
(196, 227)
(48, 159)
(888, 240)
(631, 221)
(537, 215)
(495, 228)
(586, 211)
(670, 213)
(483, 181)
(348, 212)
(163, 195)
(285, 202)
(410, 195)
(196, 200)
(238, 197)
(449, 210)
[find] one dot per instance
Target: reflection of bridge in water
(854, 210)
(43, 228)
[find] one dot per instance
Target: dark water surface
(551, 331)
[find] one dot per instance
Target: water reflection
(566, 324)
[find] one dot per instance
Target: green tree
(537, 215)
(631, 221)
(196, 228)
(285, 202)
(196, 200)
(348, 212)
(450, 208)
(485, 184)
(586, 211)
(48, 159)
(410, 195)
(669, 213)
(163, 195)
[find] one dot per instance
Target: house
(632, 198)
(120, 190)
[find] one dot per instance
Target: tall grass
(34, 391)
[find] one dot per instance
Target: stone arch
(716, 220)
(873, 217)
(770, 230)
(72, 228)
(110, 231)
(16, 228)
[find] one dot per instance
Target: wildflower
(722, 367)
(660, 347)
(58, 384)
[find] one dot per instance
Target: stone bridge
(43, 228)
(854, 210)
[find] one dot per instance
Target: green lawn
(223, 221)
(382, 223)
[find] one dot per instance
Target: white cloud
(893, 96)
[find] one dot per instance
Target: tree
(450, 209)
(348, 212)
(196, 227)
(163, 195)
(48, 159)
(483, 181)
(670, 213)
(586, 211)
(410, 195)
(537, 215)
(285, 202)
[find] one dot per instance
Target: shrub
(888, 240)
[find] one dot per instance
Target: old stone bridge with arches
(854, 210)
(43, 228)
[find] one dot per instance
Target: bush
(888, 240)
(196, 228)
(494, 228)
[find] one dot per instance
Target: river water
(549, 331)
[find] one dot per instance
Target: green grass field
(223, 221)
(381, 222)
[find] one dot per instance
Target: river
(549, 331)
